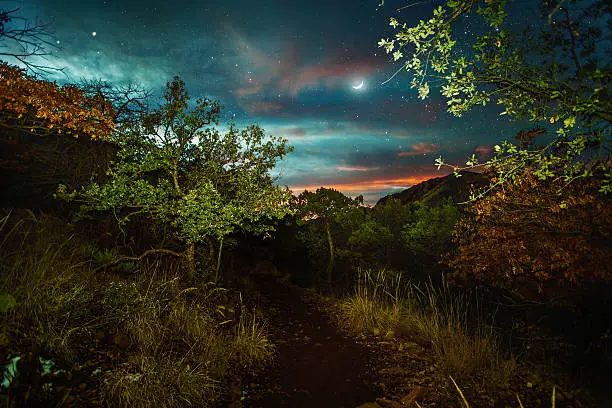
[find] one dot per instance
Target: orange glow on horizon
(371, 185)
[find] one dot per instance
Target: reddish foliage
(43, 107)
(534, 232)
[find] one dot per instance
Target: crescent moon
(358, 86)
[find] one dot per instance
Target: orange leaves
(29, 103)
(537, 231)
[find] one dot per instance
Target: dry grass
(183, 350)
(383, 304)
(159, 382)
(41, 268)
(251, 344)
(183, 340)
(377, 305)
(553, 397)
(464, 351)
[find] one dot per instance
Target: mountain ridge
(436, 190)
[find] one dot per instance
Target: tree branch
(140, 257)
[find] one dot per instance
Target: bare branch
(21, 40)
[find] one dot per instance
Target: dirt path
(316, 365)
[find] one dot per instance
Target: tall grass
(377, 304)
(41, 268)
(384, 303)
(179, 347)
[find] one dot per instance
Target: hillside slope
(436, 190)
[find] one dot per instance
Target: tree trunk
(190, 260)
(219, 260)
(330, 265)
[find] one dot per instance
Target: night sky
(289, 66)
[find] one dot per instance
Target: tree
(372, 242)
(430, 231)
(43, 108)
(22, 40)
(129, 100)
(556, 72)
(536, 233)
(176, 169)
(325, 205)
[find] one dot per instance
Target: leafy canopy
(42, 107)
(555, 72)
(528, 235)
(325, 203)
(176, 168)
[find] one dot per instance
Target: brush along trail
(316, 365)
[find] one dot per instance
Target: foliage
(394, 215)
(7, 302)
(534, 232)
(176, 169)
(41, 107)
(325, 203)
(554, 72)
(372, 240)
(383, 303)
(431, 228)
(325, 207)
(181, 341)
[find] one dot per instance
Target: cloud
(284, 131)
(483, 151)
(247, 91)
(371, 184)
(259, 107)
(420, 149)
(356, 168)
(329, 73)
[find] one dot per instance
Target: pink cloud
(483, 151)
(372, 184)
(262, 107)
(356, 168)
(328, 73)
(296, 131)
(251, 90)
(420, 149)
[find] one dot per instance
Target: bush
(178, 344)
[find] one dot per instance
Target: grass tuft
(377, 304)
(250, 342)
(383, 304)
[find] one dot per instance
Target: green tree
(373, 242)
(177, 169)
(325, 205)
(431, 229)
(555, 72)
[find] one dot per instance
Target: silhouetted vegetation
(138, 243)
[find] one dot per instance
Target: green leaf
(7, 302)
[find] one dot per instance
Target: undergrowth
(384, 303)
(180, 342)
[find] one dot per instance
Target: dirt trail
(316, 365)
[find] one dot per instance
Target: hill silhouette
(434, 191)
